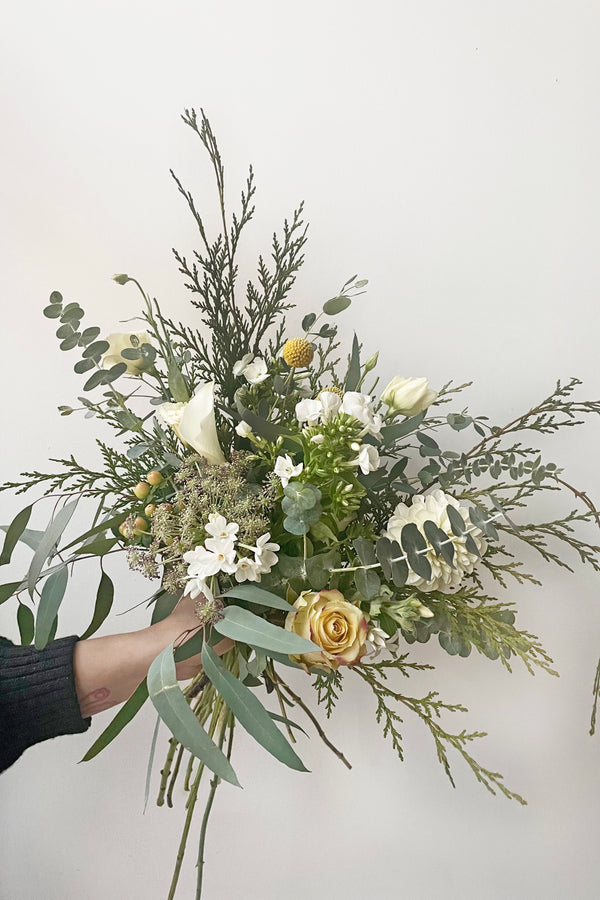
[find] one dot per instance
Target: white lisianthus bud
(243, 429)
(122, 341)
(408, 396)
(317, 439)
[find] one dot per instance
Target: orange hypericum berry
(154, 477)
(141, 490)
(140, 524)
(298, 352)
(150, 510)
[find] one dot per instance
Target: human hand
(184, 622)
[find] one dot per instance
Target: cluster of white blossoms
(432, 508)
(221, 553)
(322, 410)
(329, 404)
(252, 368)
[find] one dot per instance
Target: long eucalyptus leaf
(47, 611)
(97, 529)
(14, 533)
(104, 602)
(26, 624)
(253, 594)
(51, 537)
(241, 625)
(122, 718)
(171, 705)
(249, 711)
(8, 590)
(287, 721)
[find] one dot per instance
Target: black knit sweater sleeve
(37, 696)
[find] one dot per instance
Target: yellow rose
(330, 621)
(122, 341)
(408, 396)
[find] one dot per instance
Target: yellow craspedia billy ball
(298, 352)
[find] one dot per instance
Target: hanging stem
(174, 777)
(211, 796)
(166, 771)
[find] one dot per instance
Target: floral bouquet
(318, 522)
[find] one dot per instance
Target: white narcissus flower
(286, 470)
(243, 429)
(368, 459)
(432, 507)
(194, 423)
(122, 341)
(308, 410)
(256, 371)
(217, 555)
(247, 570)
(265, 553)
(408, 396)
(197, 587)
(218, 527)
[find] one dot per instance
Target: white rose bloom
(218, 527)
(122, 341)
(331, 403)
(286, 470)
(240, 365)
(433, 508)
(408, 396)
(247, 570)
(256, 371)
(265, 553)
(368, 459)
(309, 411)
(196, 426)
(243, 429)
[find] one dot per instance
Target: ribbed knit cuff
(37, 696)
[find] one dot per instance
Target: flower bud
(371, 363)
(121, 279)
(408, 396)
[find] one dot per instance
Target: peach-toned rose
(330, 621)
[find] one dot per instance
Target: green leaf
(308, 321)
(46, 546)
(14, 533)
(241, 625)
(98, 378)
(53, 312)
(177, 384)
(457, 523)
(26, 624)
(439, 541)
(318, 569)
(112, 522)
(151, 762)
(385, 554)
(84, 365)
(391, 433)
(399, 566)
(336, 305)
(295, 526)
(284, 660)
(56, 297)
(95, 350)
(365, 551)
(413, 544)
(353, 375)
(114, 372)
(367, 582)
(97, 548)
(480, 519)
(172, 707)
(249, 711)
(164, 605)
(89, 335)
(64, 331)
(131, 353)
(262, 427)
(47, 611)
(287, 721)
(122, 718)
(104, 602)
(71, 312)
(7, 590)
(70, 341)
(471, 546)
(252, 594)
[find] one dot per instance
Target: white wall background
(448, 151)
